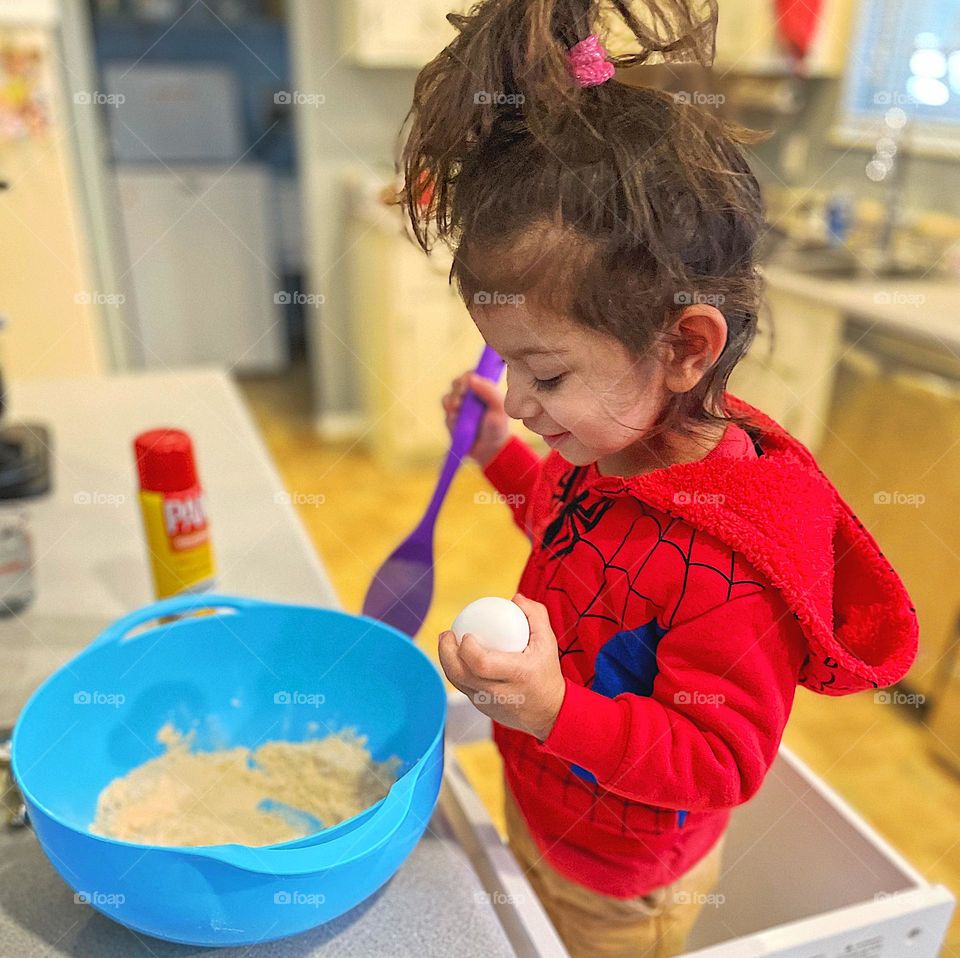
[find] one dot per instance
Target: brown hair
(613, 205)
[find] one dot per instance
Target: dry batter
(212, 798)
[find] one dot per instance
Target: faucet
(889, 164)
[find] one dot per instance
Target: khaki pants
(654, 925)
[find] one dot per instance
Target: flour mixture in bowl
(275, 793)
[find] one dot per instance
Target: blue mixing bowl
(242, 674)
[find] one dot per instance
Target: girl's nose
(519, 402)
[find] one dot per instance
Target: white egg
(497, 624)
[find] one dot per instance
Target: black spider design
(615, 574)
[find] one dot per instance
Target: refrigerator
(62, 298)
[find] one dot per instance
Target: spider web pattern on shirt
(612, 591)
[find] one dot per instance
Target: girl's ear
(697, 338)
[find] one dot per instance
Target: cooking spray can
(174, 514)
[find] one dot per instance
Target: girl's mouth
(555, 439)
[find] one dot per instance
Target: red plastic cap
(165, 460)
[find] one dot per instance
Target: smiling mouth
(549, 436)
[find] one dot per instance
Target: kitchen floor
(878, 758)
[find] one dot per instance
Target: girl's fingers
(537, 616)
(488, 665)
(449, 660)
(454, 669)
(488, 391)
(484, 388)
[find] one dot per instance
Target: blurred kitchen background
(189, 183)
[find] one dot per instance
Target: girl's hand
(522, 690)
(494, 426)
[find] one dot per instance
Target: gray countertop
(434, 905)
(92, 568)
(927, 308)
(88, 536)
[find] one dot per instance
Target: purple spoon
(401, 591)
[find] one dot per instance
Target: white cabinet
(789, 370)
(747, 37)
(409, 33)
(413, 334)
(200, 241)
(403, 33)
(748, 41)
(830, 53)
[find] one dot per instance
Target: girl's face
(580, 389)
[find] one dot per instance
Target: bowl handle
(118, 631)
(308, 859)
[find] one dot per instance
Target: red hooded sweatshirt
(688, 603)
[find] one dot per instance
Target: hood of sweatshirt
(785, 516)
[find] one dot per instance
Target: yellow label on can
(178, 540)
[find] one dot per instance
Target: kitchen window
(904, 55)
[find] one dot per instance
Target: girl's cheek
(556, 409)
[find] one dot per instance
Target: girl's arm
(709, 732)
(513, 472)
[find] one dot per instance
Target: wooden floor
(877, 757)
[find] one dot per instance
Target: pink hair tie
(588, 62)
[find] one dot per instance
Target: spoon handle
(465, 429)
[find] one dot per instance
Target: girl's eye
(548, 384)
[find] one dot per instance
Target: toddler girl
(690, 564)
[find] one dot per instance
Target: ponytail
(612, 204)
